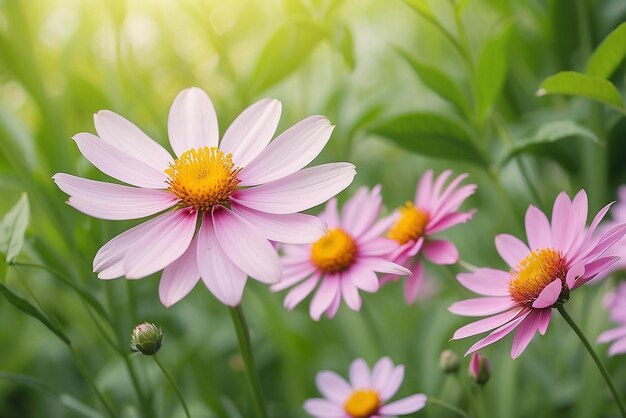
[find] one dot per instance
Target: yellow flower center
(534, 273)
(203, 177)
(362, 403)
(334, 252)
(410, 226)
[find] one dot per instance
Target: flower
(618, 215)
(146, 339)
(562, 255)
(479, 369)
(344, 260)
(241, 194)
(448, 362)
(412, 226)
(365, 395)
(615, 303)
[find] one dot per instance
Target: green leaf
(13, 227)
(550, 133)
(286, 50)
(491, 72)
(422, 7)
(576, 84)
(26, 307)
(342, 42)
(439, 82)
(609, 54)
(432, 135)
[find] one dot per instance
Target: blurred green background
(450, 84)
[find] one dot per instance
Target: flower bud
(146, 339)
(479, 369)
(448, 362)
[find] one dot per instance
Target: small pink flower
(618, 215)
(562, 256)
(345, 260)
(241, 193)
(479, 369)
(615, 303)
(366, 394)
(434, 210)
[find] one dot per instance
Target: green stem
(85, 372)
(451, 408)
(595, 358)
(178, 392)
(243, 336)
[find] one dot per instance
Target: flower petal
(180, 277)
(618, 347)
(562, 231)
(381, 372)
(289, 152)
(486, 281)
(611, 335)
(525, 333)
(251, 131)
(380, 265)
(332, 386)
(321, 408)
(498, 333)
(406, 405)
(486, 324)
(360, 374)
(449, 220)
(350, 293)
(548, 295)
(424, 188)
(293, 275)
(544, 320)
(192, 122)
(324, 296)
(330, 215)
(393, 383)
(511, 249)
(413, 283)
(538, 229)
(482, 306)
(299, 191)
(440, 252)
(301, 291)
(364, 278)
(360, 212)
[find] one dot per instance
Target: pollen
(411, 225)
(362, 403)
(203, 177)
(334, 252)
(534, 273)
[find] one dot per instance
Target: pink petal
(450, 199)
(562, 231)
(548, 295)
(594, 268)
(544, 320)
(364, 278)
(321, 408)
(579, 218)
(192, 122)
(482, 306)
(525, 333)
(324, 296)
(413, 283)
(330, 215)
(127, 137)
(574, 273)
(293, 276)
(112, 201)
(334, 306)
(619, 347)
(380, 227)
(576, 251)
(360, 212)
(537, 229)
(437, 186)
(611, 335)
(298, 191)
(404, 406)
(223, 278)
(360, 377)
(424, 188)
(486, 324)
(609, 239)
(251, 131)
(117, 164)
(180, 277)
(380, 265)
(160, 246)
(301, 291)
(350, 294)
(440, 252)
(381, 372)
(289, 152)
(376, 247)
(246, 247)
(498, 334)
(293, 228)
(511, 249)
(486, 281)
(333, 387)
(393, 383)
(449, 220)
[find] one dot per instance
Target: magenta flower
(366, 394)
(616, 305)
(435, 209)
(242, 193)
(345, 260)
(562, 255)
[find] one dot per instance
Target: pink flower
(479, 369)
(618, 214)
(346, 259)
(435, 209)
(242, 194)
(616, 304)
(563, 255)
(366, 394)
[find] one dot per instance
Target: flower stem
(593, 355)
(169, 377)
(451, 408)
(243, 336)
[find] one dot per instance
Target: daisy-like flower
(345, 260)
(220, 205)
(366, 395)
(561, 256)
(412, 226)
(615, 303)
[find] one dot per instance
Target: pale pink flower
(412, 226)
(618, 216)
(343, 261)
(562, 255)
(241, 193)
(615, 303)
(366, 395)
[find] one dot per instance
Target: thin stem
(178, 392)
(243, 336)
(595, 358)
(85, 372)
(451, 408)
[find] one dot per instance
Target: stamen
(410, 226)
(334, 252)
(534, 273)
(362, 403)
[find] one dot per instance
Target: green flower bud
(448, 362)
(146, 339)
(479, 369)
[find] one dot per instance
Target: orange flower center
(203, 177)
(534, 273)
(362, 403)
(410, 226)
(334, 252)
